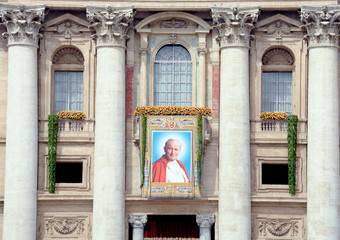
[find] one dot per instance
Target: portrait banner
(171, 168)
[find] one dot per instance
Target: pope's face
(172, 150)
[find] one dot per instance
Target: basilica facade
(233, 105)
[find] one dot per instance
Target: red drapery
(171, 226)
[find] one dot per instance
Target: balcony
(275, 131)
(74, 130)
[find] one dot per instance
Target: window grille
(68, 91)
(173, 76)
(276, 91)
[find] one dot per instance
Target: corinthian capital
(205, 220)
(322, 25)
(111, 24)
(234, 25)
(23, 23)
(137, 221)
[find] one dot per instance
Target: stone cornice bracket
(205, 220)
(322, 25)
(234, 25)
(111, 24)
(23, 24)
(137, 221)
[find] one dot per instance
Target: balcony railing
(69, 128)
(275, 130)
(274, 126)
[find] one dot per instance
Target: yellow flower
(172, 110)
(72, 115)
(280, 116)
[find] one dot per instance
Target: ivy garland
(52, 150)
(292, 142)
(200, 147)
(143, 147)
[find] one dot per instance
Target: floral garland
(172, 110)
(279, 116)
(72, 115)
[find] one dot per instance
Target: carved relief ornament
(111, 24)
(278, 227)
(22, 23)
(234, 25)
(64, 226)
(322, 25)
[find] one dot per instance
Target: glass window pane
(68, 91)
(173, 76)
(276, 91)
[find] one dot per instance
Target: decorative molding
(137, 221)
(205, 220)
(278, 26)
(68, 29)
(173, 23)
(234, 25)
(278, 29)
(277, 56)
(270, 227)
(67, 25)
(189, 19)
(111, 24)
(64, 226)
(322, 25)
(68, 55)
(22, 23)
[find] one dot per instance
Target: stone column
(205, 221)
(137, 222)
(111, 26)
(20, 207)
(323, 222)
(234, 211)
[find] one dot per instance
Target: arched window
(173, 76)
(68, 66)
(277, 67)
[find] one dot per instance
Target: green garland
(200, 147)
(143, 147)
(52, 150)
(292, 142)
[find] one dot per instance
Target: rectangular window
(68, 91)
(69, 172)
(276, 92)
(276, 174)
